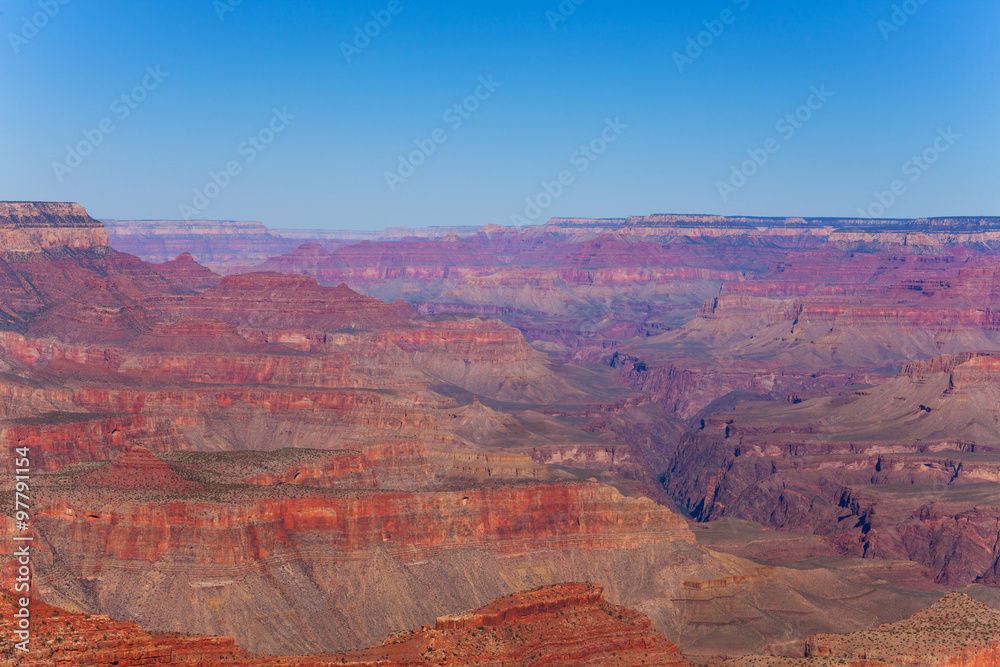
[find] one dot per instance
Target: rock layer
(561, 625)
(955, 632)
(497, 429)
(903, 470)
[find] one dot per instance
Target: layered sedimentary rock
(318, 565)
(27, 227)
(769, 298)
(902, 470)
(310, 551)
(565, 624)
(692, 309)
(58, 637)
(321, 456)
(103, 352)
(59, 277)
(265, 361)
(108, 349)
(955, 632)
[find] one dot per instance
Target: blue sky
(308, 131)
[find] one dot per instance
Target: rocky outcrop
(565, 624)
(560, 625)
(132, 469)
(703, 306)
(327, 464)
(407, 526)
(956, 631)
(58, 637)
(523, 606)
(57, 439)
(28, 227)
(297, 551)
(299, 535)
(903, 470)
(186, 272)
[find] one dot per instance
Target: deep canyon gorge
(658, 440)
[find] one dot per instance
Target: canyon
(566, 624)
(751, 432)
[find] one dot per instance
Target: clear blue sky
(892, 93)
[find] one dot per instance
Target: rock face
(103, 349)
(903, 470)
(565, 624)
(317, 551)
(31, 227)
(780, 306)
(957, 631)
(134, 468)
(292, 567)
(361, 435)
(59, 637)
(691, 309)
(409, 480)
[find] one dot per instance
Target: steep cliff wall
(27, 227)
(560, 625)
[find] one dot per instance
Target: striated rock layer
(311, 551)
(903, 470)
(561, 625)
(955, 632)
(324, 463)
(32, 227)
(691, 308)
(567, 624)
(58, 637)
(288, 567)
